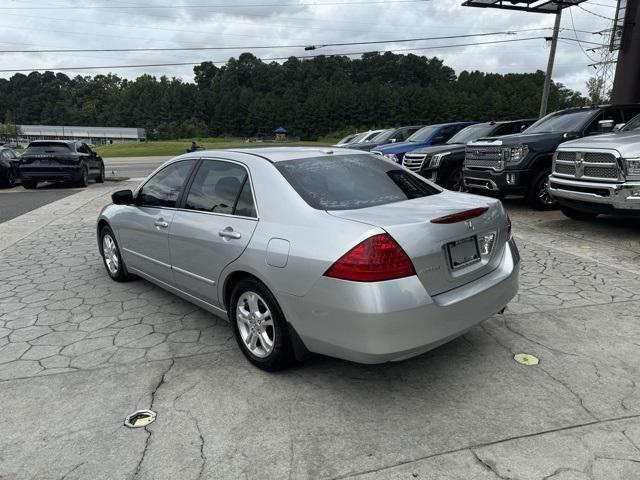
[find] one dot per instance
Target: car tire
(100, 177)
(539, 197)
(581, 215)
(259, 326)
(83, 181)
(30, 184)
(455, 181)
(111, 256)
(11, 179)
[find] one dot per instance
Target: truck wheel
(578, 214)
(30, 184)
(539, 197)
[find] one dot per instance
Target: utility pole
(626, 86)
(552, 56)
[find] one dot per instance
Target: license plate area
(463, 253)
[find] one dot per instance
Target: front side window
(346, 182)
(163, 189)
(221, 187)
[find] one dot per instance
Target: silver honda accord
(306, 250)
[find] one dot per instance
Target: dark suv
(443, 163)
(521, 164)
(393, 135)
(60, 161)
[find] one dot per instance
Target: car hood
(454, 147)
(400, 147)
(520, 138)
(625, 143)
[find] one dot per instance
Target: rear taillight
(376, 259)
(509, 235)
(461, 216)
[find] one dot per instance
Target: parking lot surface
(78, 352)
(17, 201)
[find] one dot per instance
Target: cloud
(302, 22)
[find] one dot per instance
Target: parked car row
(584, 160)
(51, 161)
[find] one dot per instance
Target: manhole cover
(140, 418)
(526, 359)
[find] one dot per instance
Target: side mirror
(619, 127)
(437, 140)
(605, 126)
(123, 197)
(393, 140)
(523, 128)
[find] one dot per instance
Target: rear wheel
(100, 177)
(539, 197)
(83, 181)
(578, 214)
(259, 326)
(29, 184)
(111, 256)
(11, 179)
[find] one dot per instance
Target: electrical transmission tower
(606, 66)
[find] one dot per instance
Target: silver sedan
(306, 250)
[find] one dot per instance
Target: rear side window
(221, 187)
(347, 182)
(47, 147)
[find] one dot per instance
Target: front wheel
(539, 197)
(578, 214)
(455, 181)
(30, 184)
(11, 179)
(111, 256)
(259, 326)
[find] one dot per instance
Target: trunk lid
(427, 243)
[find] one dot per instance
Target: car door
(143, 229)
(94, 164)
(213, 227)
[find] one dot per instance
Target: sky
(113, 24)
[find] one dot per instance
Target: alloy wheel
(255, 324)
(543, 192)
(110, 253)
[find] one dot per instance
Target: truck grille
(587, 165)
(483, 157)
(414, 161)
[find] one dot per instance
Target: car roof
(275, 154)
(596, 108)
(65, 142)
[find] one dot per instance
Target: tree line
(312, 98)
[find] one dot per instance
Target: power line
(578, 40)
(270, 47)
(246, 5)
(594, 13)
(302, 57)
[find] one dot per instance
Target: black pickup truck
(521, 164)
(60, 161)
(443, 163)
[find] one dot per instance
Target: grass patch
(178, 147)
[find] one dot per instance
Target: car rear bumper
(594, 196)
(394, 320)
(46, 173)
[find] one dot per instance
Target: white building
(91, 135)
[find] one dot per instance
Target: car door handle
(229, 233)
(160, 223)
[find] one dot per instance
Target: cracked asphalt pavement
(79, 352)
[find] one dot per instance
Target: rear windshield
(347, 182)
(38, 148)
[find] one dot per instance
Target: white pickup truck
(599, 174)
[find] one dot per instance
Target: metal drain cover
(140, 418)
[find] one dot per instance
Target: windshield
(422, 134)
(471, 133)
(47, 147)
(346, 139)
(383, 136)
(347, 182)
(561, 122)
(633, 124)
